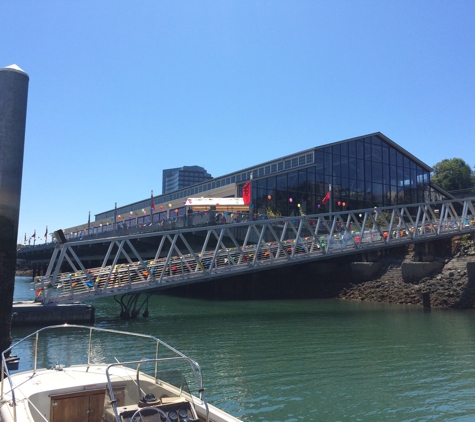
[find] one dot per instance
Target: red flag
(246, 193)
(152, 206)
(326, 199)
(34, 234)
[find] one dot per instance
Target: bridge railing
(231, 249)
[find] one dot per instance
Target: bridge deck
(256, 245)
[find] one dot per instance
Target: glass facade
(363, 173)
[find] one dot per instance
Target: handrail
(194, 365)
(230, 249)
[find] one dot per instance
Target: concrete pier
(34, 313)
(13, 102)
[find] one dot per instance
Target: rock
(448, 287)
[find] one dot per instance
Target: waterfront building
(181, 177)
(362, 172)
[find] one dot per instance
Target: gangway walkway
(255, 245)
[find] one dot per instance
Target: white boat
(79, 383)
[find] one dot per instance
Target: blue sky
(120, 90)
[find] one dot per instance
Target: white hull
(82, 393)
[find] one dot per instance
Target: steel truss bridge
(234, 249)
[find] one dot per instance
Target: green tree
(453, 174)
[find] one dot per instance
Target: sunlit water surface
(321, 360)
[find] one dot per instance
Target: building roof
(379, 134)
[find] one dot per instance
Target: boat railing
(183, 389)
(5, 372)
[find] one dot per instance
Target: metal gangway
(233, 249)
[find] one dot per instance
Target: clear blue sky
(120, 90)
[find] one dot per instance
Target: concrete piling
(13, 102)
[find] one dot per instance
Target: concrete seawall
(415, 271)
(363, 271)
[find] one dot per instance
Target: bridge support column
(423, 252)
(129, 308)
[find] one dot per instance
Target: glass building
(181, 177)
(364, 172)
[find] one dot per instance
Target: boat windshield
(144, 371)
(146, 386)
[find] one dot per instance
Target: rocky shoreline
(450, 287)
(24, 273)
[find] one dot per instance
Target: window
(319, 161)
(344, 166)
(376, 153)
(377, 172)
(367, 173)
(344, 149)
(293, 180)
(336, 165)
(360, 170)
(328, 164)
(367, 151)
(352, 149)
(282, 182)
(271, 183)
(360, 149)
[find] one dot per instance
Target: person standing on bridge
(189, 217)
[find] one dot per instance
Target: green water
(317, 360)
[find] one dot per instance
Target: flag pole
(251, 210)
(115, 217)
(331, 196)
